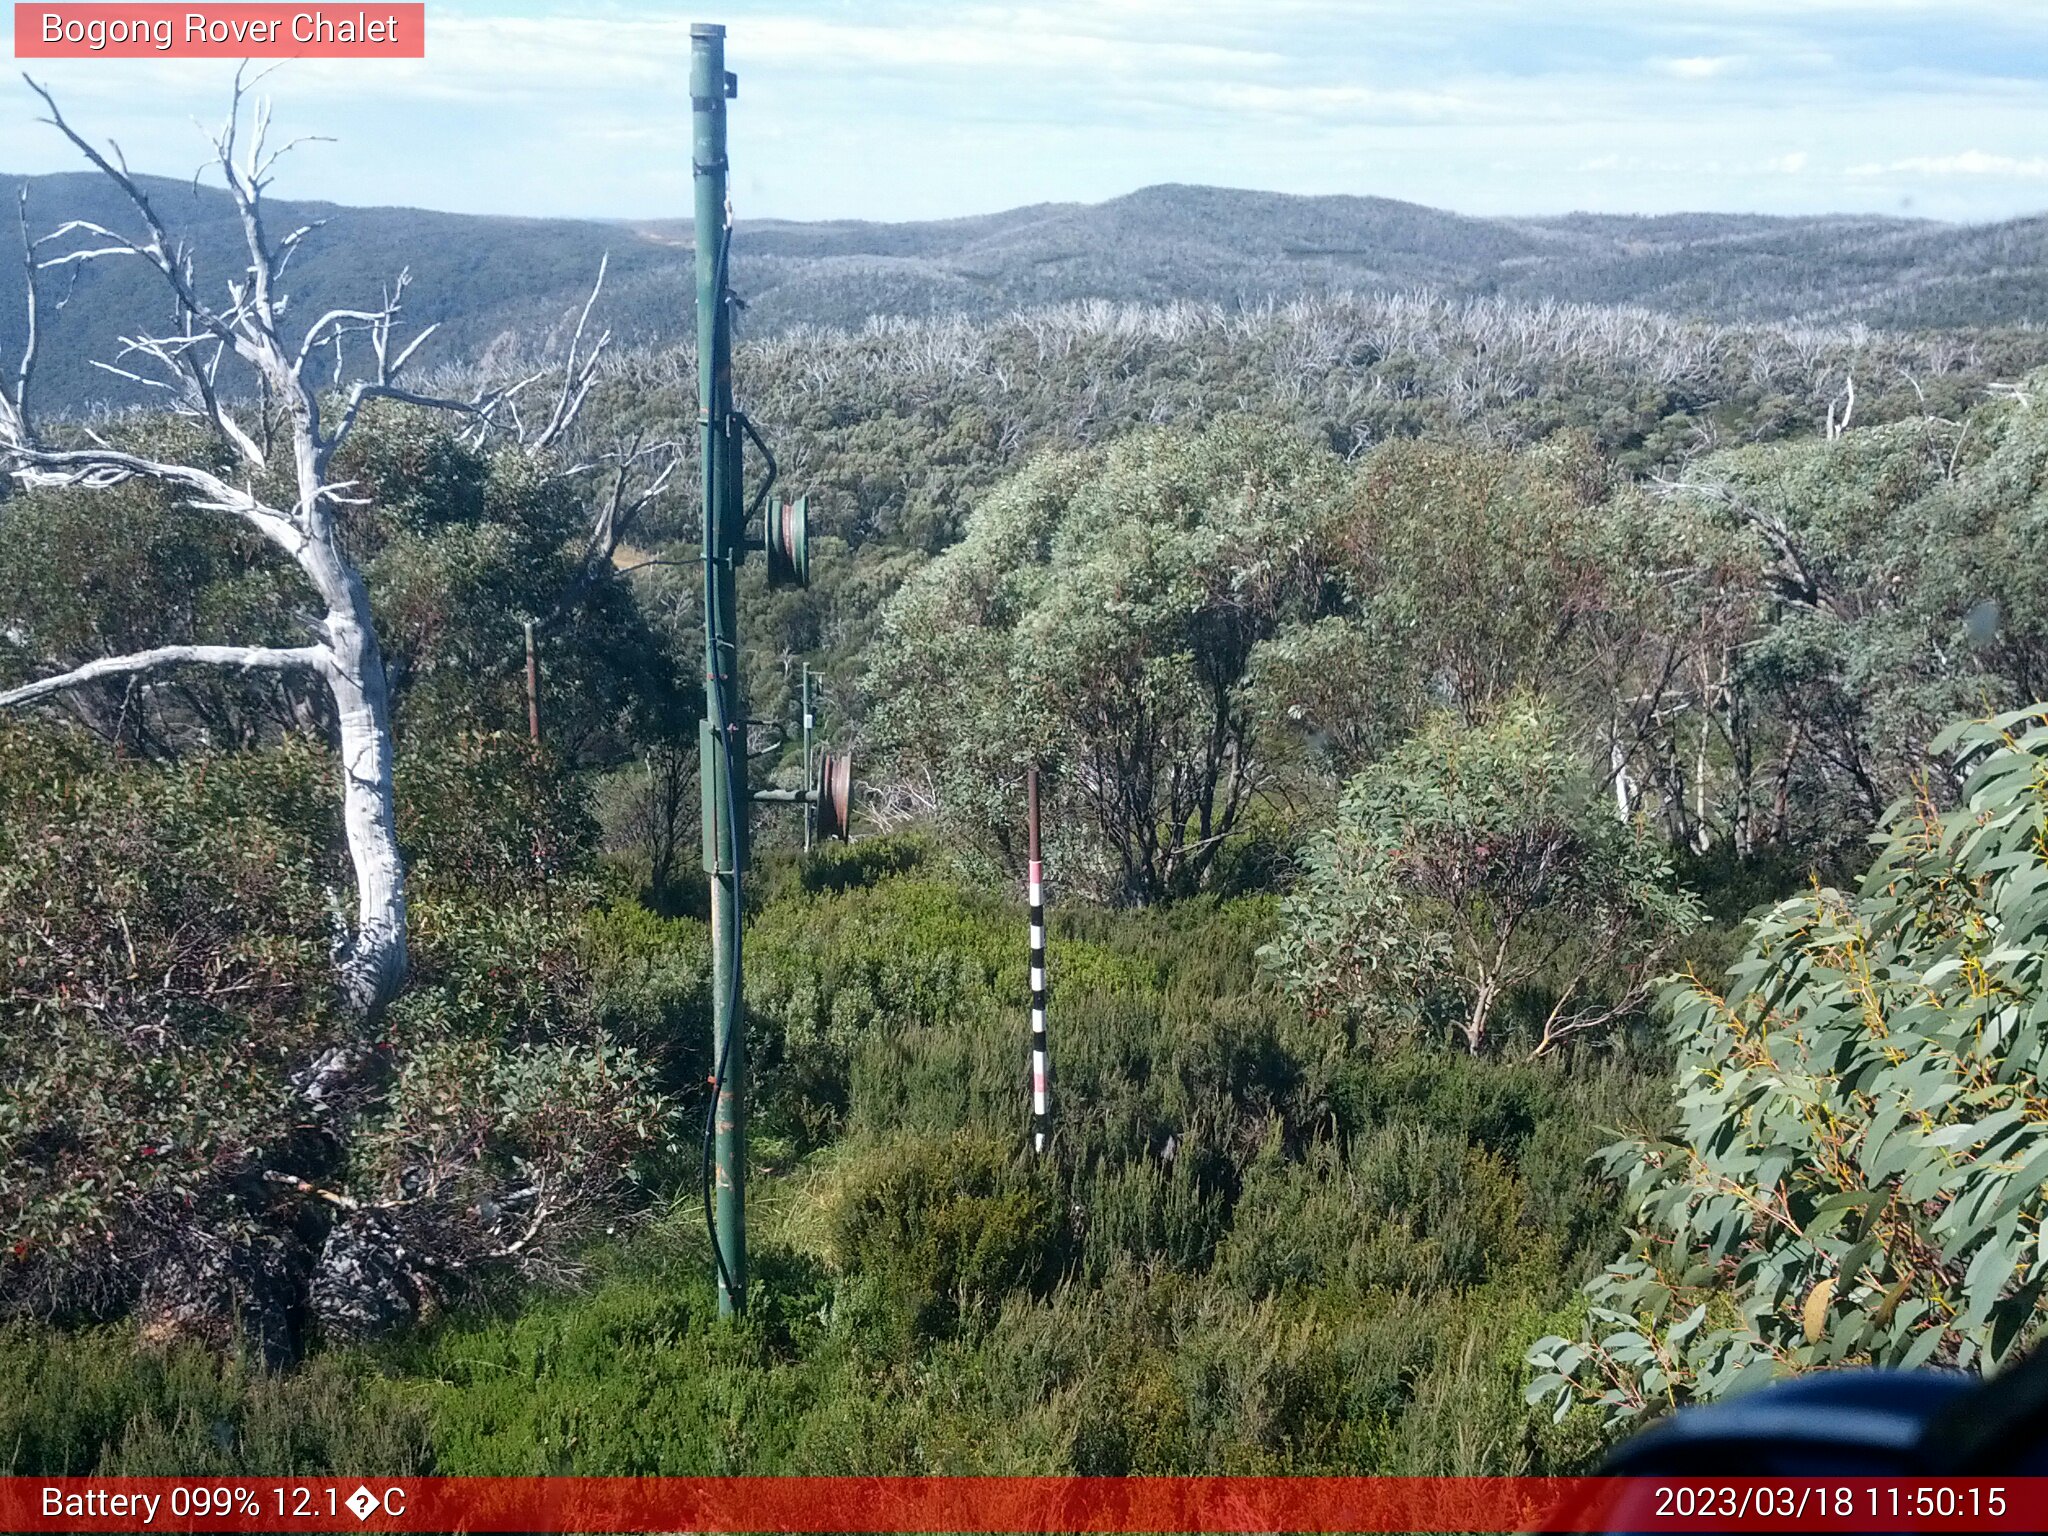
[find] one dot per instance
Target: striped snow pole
(1041, 1062)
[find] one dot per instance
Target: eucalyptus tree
(1104, 617)
(1858, 1161)
(1829, 604)
(1473, 866)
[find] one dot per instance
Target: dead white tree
(634, 475)
(1847, 401)
(182, 363)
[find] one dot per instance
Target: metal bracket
(767, 485)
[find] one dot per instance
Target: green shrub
(1474, 868)
(1406, 1208)
(99, 1402)
(489, 814)
(1146, 1213)
(636, 1378)
(651, 984)
(163, 969)
(948, 1228)
(873, 967)
(189, 1130)
(1250, 1250)
(1858, 1169)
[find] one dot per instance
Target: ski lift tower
(784, 537)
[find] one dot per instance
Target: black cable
(734, 1023)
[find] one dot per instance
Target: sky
(910, 109)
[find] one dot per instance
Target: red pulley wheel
(835, 797)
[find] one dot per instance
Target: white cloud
(976, 39)
(488, 59)
(1700, 67)
(1971, 162)
(1353, 104)
(913, 108)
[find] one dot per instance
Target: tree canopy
(1470, 865)
(1858, 1172)
(1103, 617)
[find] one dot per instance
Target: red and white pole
(1041, 1061)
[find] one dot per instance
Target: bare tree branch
(244, 658)
(100, 467)
(185, 359)
(372, 964)
(576, 381)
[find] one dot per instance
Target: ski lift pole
(1041, 1061)
(784, 538)
(722, 740)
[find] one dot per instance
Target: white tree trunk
(373, 965)
(1624, 781)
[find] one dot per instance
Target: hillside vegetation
(1254, 1252)
(493, 282)
(1426, 691)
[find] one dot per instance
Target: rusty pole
(532, 688)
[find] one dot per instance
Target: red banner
(263, 31)
(1004, 1504)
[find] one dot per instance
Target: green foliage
(1469, 865)
(1100, 618)
(163, 969)
(1405, 1208)
(903, 430)
(652, 979)
(1858, 1170)
(1117, 544)
(1258, 1297)
(638, 1378)
(98, 1401)
(943, 1230)
(1249, 1253)
(193, 1133)
(87, 573)
(456, 546)
(1483, 573)
(880, 966)
(461, 546)
(490, 814)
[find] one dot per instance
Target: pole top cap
(707, 29)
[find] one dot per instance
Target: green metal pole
(722, 755)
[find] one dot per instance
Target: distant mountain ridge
(1229, 246)
(491, 281)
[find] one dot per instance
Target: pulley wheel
(835, 797)
(788, 541)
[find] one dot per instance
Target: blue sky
(918, 109)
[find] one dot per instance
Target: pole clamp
(728, 90)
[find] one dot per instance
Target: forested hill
(1235, 247)
(487, 279)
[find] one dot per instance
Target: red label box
(1101, 1506)
(236, 31)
